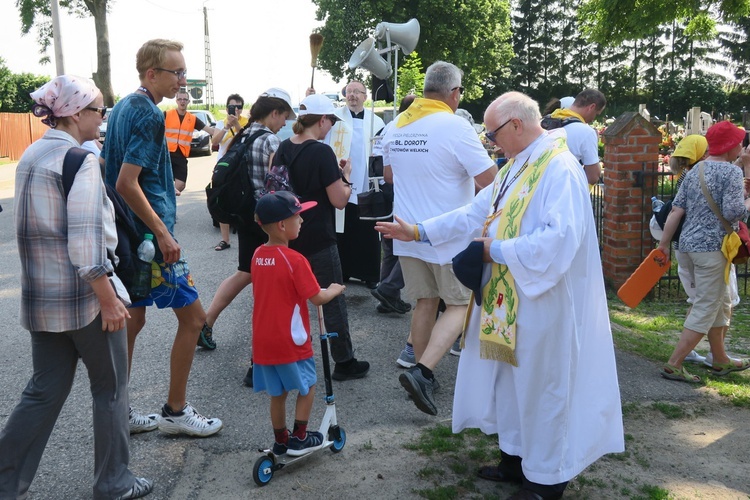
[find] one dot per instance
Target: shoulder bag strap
(71, 165)
(712, 203)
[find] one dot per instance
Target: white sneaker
(142, 423)
(190, 422)
(694, 357)
(709, 360)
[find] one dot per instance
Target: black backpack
(549, 123)
(230, 195)
(128, 237)
(277, 178)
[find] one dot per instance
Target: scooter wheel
(338, 444)
(263, 471)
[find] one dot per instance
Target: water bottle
(142, 281)
(656, 204)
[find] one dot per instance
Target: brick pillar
(629, 143)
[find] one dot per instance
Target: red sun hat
(723, 136)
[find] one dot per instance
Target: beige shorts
(425, 280)
(712, 304)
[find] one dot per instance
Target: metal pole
(57, 37)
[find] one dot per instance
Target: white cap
(567, 102)
(317, 104)
(284, 96)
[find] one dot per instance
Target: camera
(232, 108)
(746, 141)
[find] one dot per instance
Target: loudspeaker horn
(366, 56)
(405, 35)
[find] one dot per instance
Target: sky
(255, 44)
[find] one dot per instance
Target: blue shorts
(171, 286)
(278, 379)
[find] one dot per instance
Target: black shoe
(499, 474)
(420, 389)
(393, 303)
(372, 285)
(529, 495)
(384, 309)
(350, 370)
(248, 380)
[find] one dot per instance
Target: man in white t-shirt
(434, 158)
(583, 141)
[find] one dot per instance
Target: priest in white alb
(538, 365)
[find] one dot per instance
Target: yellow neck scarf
(419, 109)
(566, 113)
(497, 330)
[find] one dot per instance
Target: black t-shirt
(314, 169)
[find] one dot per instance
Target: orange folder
(643, 279)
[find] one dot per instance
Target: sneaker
(350, 370)
(298, 447)
(709, 360)
(189, 422)
(406, 360)
(456, 347)
(420, 389)
(279, 448)
(694, 357)
(395, 304)
(206, 338)
(141, 488)
(383, 309)
(142, 423)
(248, 380)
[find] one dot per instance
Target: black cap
(468, 266)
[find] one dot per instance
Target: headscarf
(692, 147)
(64, 95)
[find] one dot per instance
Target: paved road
(374, 411)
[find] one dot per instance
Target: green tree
(37, 13)
(410, 76)
(7, 86)
(472, 34)
(612, 21)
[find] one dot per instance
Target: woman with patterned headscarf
(72, 303)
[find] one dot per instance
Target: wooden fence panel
(17, 132)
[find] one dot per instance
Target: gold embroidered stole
(497, 330)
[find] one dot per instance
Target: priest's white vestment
(559, 409)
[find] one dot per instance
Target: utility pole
(207, 49)
(57, 37)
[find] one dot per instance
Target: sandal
(722, 369)
(223, 245)
(680, 374)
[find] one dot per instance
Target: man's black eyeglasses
(491, 135)
(460, 89)
(102, 110)
(180, 74)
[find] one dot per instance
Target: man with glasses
(180, 124)
(538, 366)
(137, 164)
(435, 159)
(359, 244)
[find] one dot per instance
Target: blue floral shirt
(702, 230)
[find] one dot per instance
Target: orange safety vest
(179, 134)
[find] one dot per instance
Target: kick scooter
(333, 435)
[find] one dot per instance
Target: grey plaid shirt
(62, 246)
(259, 155)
